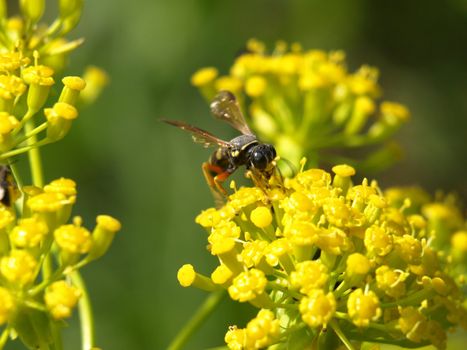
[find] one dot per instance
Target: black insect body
(244, 150)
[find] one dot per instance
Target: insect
(244, 150)
(8, 189)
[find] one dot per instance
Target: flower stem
(34, 157)
(85, 313)
(197, 319)
(335, 326)
(4, 337)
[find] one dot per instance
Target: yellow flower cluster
(304, 101)
(32, 54)
(321, 256)
(28, 285)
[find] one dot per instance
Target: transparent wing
(225, 107)
(199, 135)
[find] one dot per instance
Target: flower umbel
(319, 252)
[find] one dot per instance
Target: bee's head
(261, 156)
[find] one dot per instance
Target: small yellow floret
(61, 110)
(74, 83)
(343, 170)
(62, 185)
(6, 216)
(263, 330)
(357, 264)
(186, 275)
(19, 267)
(317, 308)
(48, 202)
(378, 241)
(248, 285)
(73, 239)
(7, 305)
(204, 76)
(261, 217)
(222, 274)
(60, 298)
(391, 281)
(255, 86)
(236, 339)
(412, 323)
(29, 232)
(363, 307)
(309, 275)
(108, 223)
(11, 86)
(7, 123)
(252, 252)
(41, 75)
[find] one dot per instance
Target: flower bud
(103, 235)
(59, 118)
(39, 78)
(7, 305)
(96, 79)
(61, 298)
(19, 267)
(71, 89)
(187, 276)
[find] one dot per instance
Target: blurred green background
(147, 174)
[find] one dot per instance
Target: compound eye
(259, 160)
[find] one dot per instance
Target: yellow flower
(263, 330)
(378, 241)
(391, 281)
(317, 308)
(19, 267)
(247, 285)
(236, 339)
(357, 264)
(204, 76)
(73, 239)
(29, 232)
(60, 299)
(7, 123)
(309, 275)
(62, 185)
(363, 307)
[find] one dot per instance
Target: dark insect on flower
(8, 189)
(245, 149)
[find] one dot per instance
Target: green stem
(33, 132)
(335, 326)
(17, 151)
(85, 313)
(4, 337)
(197, 319)
(34, 157)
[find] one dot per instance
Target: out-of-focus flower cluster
(34, 296)
(307, 103)
(325, 259)
(32, 55)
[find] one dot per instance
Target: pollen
(19, 267)
(363, 307)
(29, 232)
(248, 285)
(317, 308)
(261, 217)
(73, 239)
(204, 76)
(60, 299)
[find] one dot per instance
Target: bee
(8, 189)
(244, 150)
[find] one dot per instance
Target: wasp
(244, 150)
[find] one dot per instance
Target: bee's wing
(225, 107)
(199, 135)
